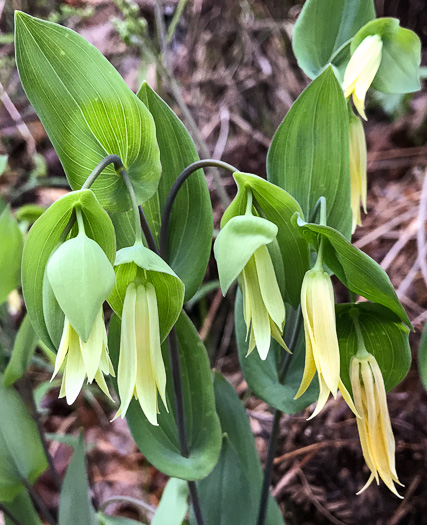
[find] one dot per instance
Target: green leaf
(43, 238)
(401, 56)
(21, 451)
(174, 504)
(356, 270)
(87, 110)
(263, 376)
(10, 253)
(278, 207)
(29, 213)
(231, 493)
(74, 504)
(169, 288)
(3, 164)
(159, 444)
(422, 357)
(324, 28)
(23, 510)
(23, 351)
(191, 225)
(309, 154)
(384, 335)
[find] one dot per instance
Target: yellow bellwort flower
(361, 71)
(322, 350)
(358, 169)
(263, 308)
(83, 360)
(141, 371)
(375, 432)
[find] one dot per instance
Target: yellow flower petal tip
(263, 307)
(358, 169)
(361, 71)
(83, 360)
(375, 432)
(141, 371)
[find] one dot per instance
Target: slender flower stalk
(322, 350)
(358, 169)
(361, 71)
(83, 360)
(141, 372)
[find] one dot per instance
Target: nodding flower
(361, 71)
(375, 432)
(322, 350)
(141, 371)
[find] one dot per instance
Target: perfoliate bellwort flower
(148, 296)
(358, 168)
(375, 432)
(241, 253)
(79, 277)
(321, 341)
(361, 71)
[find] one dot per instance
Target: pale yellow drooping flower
(263, 307)
(141, 371)
(375, 432)
(83, 360)
(322, 350)
(361, 71)
(358, 169)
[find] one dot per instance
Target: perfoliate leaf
(384, 336)
(87, 110)
(309, 154)
(10, 253)
(356, 270)
(23, 350)
(263, 376)
(42, 239)
(400, 58)
(174, 504)
(231, 493)
(159, 444)
(237, 242)
(323, 31)
(75, 505)
(116, 520)
(136, 260)
(81, 277)
(191, 225)
(277, 206)
(21, 451)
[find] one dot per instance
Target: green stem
(249, 202)
(274, 435)
(136, 216)
(39, 503)
(361, 348)
(109, 159)
(167, 210)
(80, 221)
(175, 19)
(9, 515)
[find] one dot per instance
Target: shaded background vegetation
(230, 74)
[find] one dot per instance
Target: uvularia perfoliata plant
(280, 242)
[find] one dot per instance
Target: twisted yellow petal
(375, 432)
